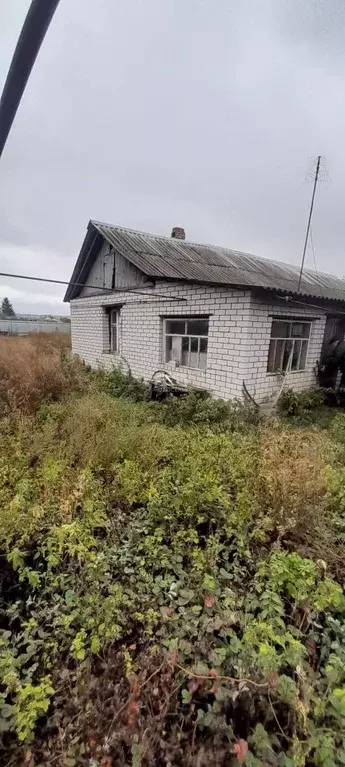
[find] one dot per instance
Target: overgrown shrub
(293, 403)
(169, 595)
(198, 408)
(120, 384)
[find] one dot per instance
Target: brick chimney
(178, 233)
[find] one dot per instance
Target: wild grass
(172, 576)
(35, 368)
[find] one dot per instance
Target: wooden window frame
(191, 337)
(288, 343)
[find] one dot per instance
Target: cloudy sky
(206, 114)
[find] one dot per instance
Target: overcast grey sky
(205, 114)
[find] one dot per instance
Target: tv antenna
(316, 179)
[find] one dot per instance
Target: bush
(120, 384)
(294, 403)
(198, 408)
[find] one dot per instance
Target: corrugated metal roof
(164, 257)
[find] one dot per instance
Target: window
(113, 329)
(186, 341)
(288, 337)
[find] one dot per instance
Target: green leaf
(201, 668)
(224, 574)
(261, 741)
(5, 725)
(186, 696)
(7, 711)
(95, 644)
(136, 755)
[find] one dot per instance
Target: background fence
(23, 327)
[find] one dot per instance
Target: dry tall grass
(35, 368)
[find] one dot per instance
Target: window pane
(287, 352)
(295, 355)
(185, 352)
(271, 356)
(203, 354)
(194, 353)
(202, 361)
(113, 316)
(168, 347)
(303, 357)
(280, 329)
(278, 359)
(176, 348)
(300, 329)
(197, 327)
(175, 326)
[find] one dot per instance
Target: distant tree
(7, 308)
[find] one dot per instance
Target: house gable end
(100, 267)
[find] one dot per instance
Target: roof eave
(85, 254)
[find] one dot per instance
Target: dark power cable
(31, 37)
(130, 288)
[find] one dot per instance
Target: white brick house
(211, 316)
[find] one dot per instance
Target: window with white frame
(288, 337)
(186, 340)
(114, 315)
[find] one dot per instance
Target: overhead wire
(128, 289)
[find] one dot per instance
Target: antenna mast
(309, 221)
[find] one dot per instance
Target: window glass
(278, 361)
(289, 340)
(303, 357)
(168, 342)
(197, 327)
(194, 353)
(185, 351)
(203, 353)
(300, 329)
(271, 356)
(113, 330)
(175, 326)
(176, 348)
(296, 355)
(186, 341)
(280, 329)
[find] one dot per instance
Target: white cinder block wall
(262, 384)
(141, 333)
(238, 342)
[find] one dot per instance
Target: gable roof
(161, 257)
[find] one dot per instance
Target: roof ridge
(209, 245)
(184, 260)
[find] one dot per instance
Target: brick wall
(141, 332)
(260, 383)
(239, 335)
